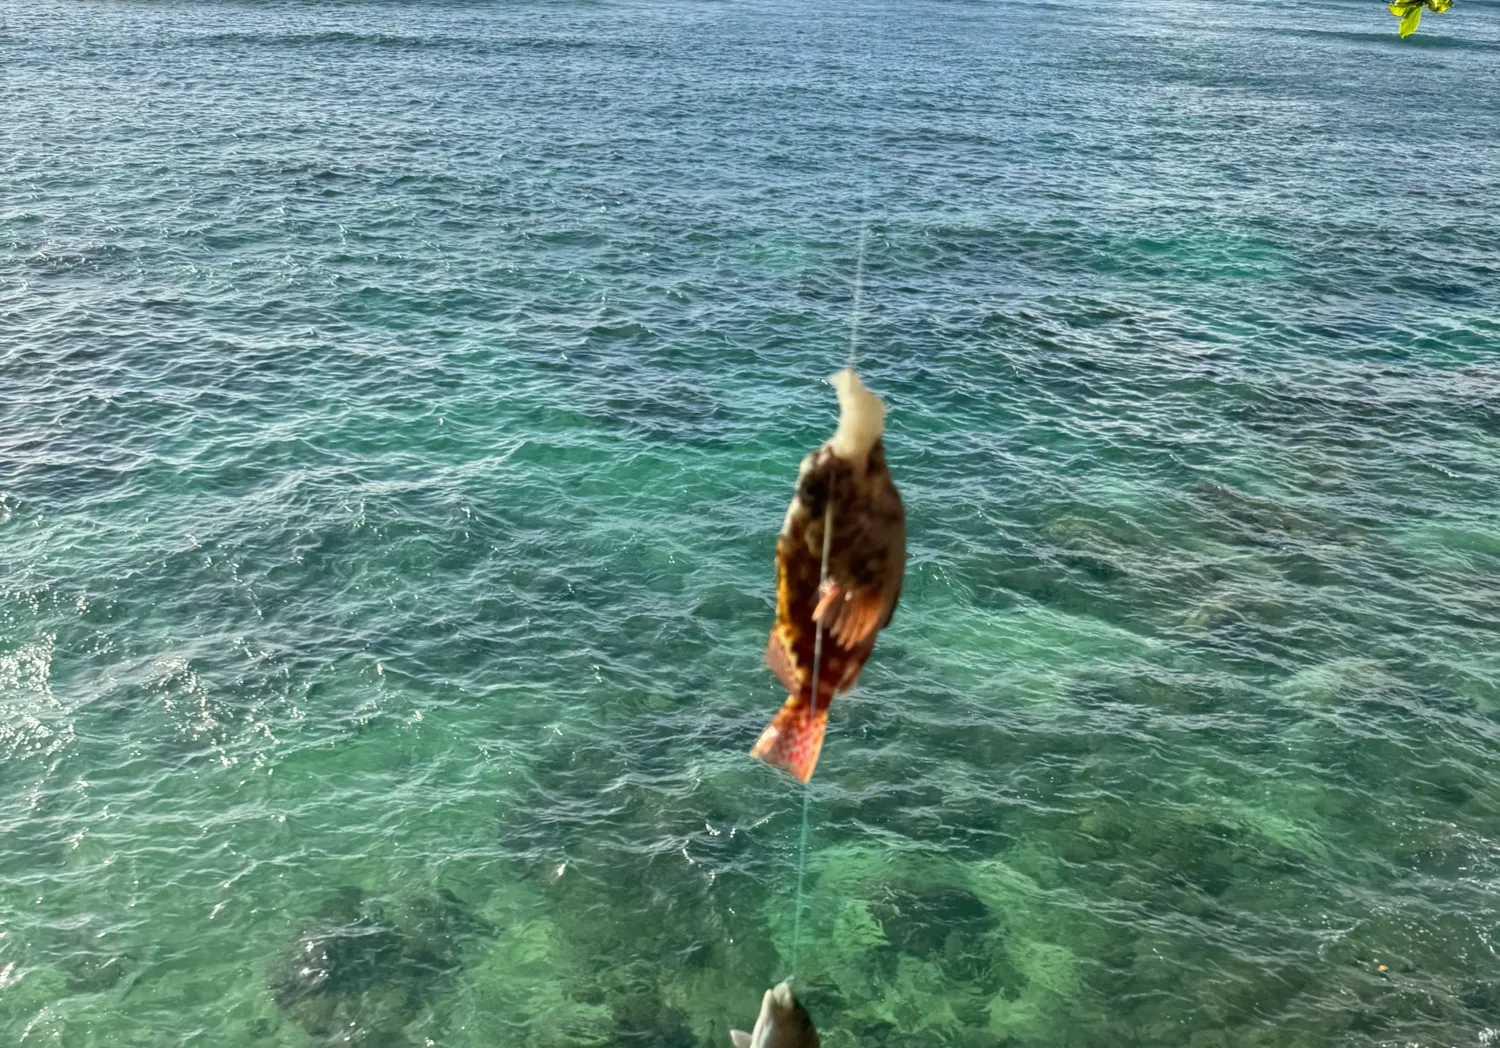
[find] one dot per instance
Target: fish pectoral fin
(850, 615)
(830, 603)
(779, 661)
(740, 1038)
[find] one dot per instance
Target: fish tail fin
(793, 739)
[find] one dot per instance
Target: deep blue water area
(398, 403)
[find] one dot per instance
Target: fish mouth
(782, 994)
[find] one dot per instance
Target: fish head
(861, 417)
(782, 1023)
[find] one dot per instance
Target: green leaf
(1401, 8)
(1440, 5)
(1409, 21)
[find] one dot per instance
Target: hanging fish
(782, 1023)
(846, 499)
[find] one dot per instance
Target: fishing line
(807, 787)
(859, 288)
(801, 870)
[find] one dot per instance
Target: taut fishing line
(859, 285)
(859, 288)
(807, 787)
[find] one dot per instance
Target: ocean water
(398, 403)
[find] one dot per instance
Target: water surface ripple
(397, 406)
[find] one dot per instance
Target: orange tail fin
(793, 739)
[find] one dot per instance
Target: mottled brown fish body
(845, 489)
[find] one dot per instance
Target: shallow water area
(397, 406)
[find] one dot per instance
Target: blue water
(398, 403)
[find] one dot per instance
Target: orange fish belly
(794, 738)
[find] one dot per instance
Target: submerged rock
(358, 977)
(435, 929)
(343, 984)
(93, 972)
(645, 1019)
(346, 959)
(93, 957)
(940, 923)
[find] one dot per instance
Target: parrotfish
(846, 499)
(782, 1023)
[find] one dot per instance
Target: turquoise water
(397, 406)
